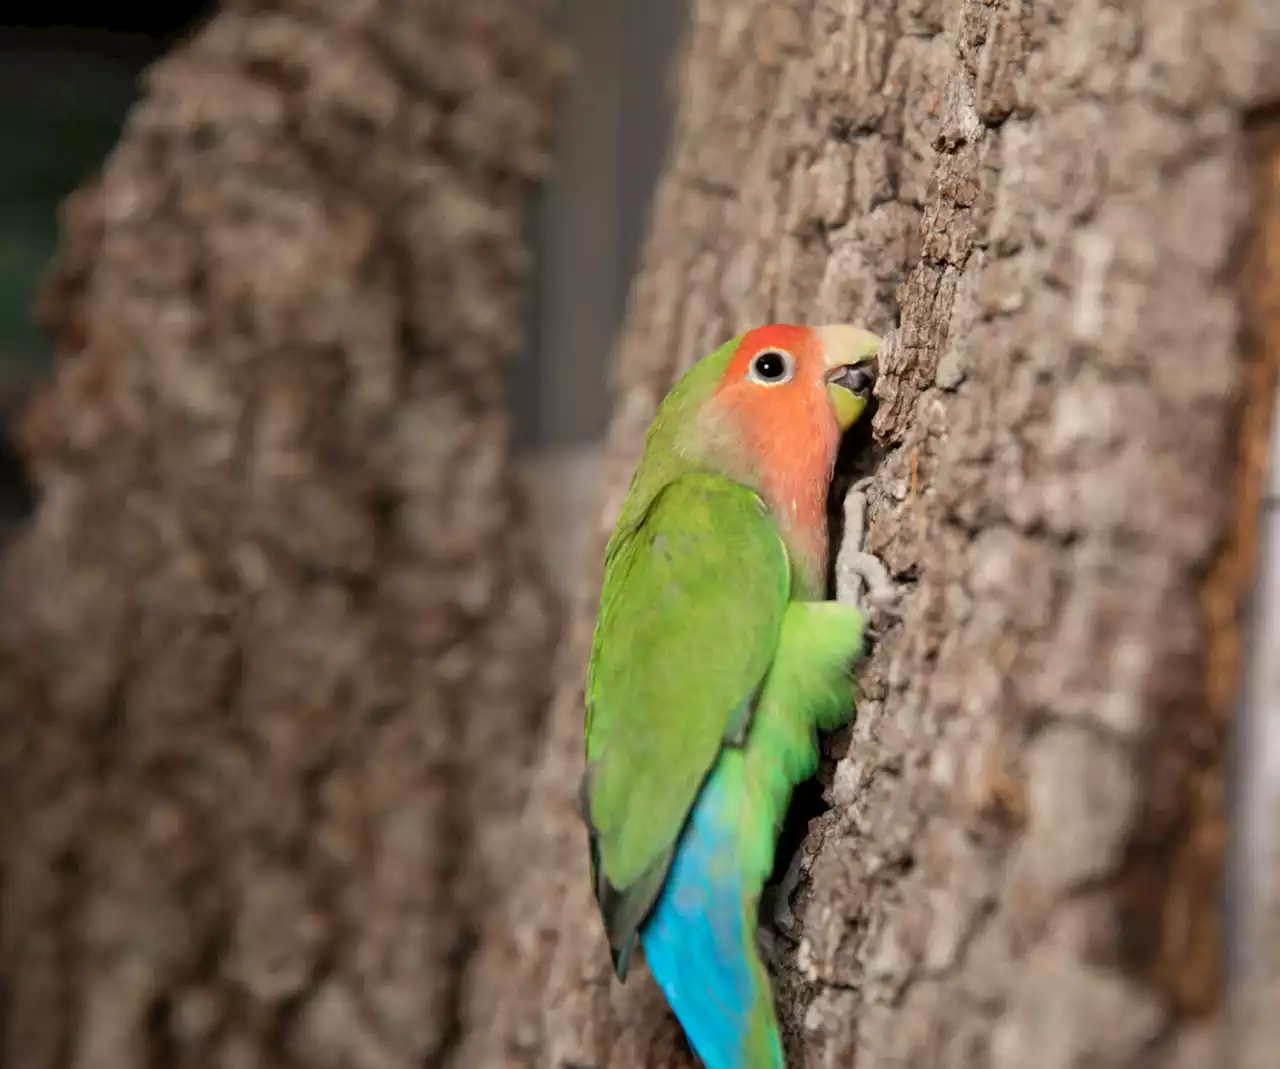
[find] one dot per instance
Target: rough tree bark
(274, 641)
(1044, 205)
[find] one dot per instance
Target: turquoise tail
(700, 939)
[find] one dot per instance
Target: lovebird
(715, 660)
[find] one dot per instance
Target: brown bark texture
(1045, 207)
(275, 641)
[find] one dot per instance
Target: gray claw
(880, 593)
(861, 578)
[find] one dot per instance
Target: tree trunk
(1046, 206)
(274, 639)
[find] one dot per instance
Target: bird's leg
(779, 926)
(783, 917)
(861, 578)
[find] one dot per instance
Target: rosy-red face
(775, 392)
(776, 416)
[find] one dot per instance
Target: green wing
(690, 615)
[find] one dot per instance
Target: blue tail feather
(700, 945)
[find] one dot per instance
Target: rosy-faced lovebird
(715, 661)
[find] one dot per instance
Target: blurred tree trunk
(1046, 206)
(275, 640)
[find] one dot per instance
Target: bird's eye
(772, 367)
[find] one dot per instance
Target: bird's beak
(850, 356)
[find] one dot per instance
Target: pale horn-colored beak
(849, 353)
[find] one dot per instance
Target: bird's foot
(861, 577)
(784, 919)
(876, 597)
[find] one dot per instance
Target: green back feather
(665, 688)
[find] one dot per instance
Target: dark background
(66, 83)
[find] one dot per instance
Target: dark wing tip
(622, 910)
(613, 904)
(622, 958)
(608, 898)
